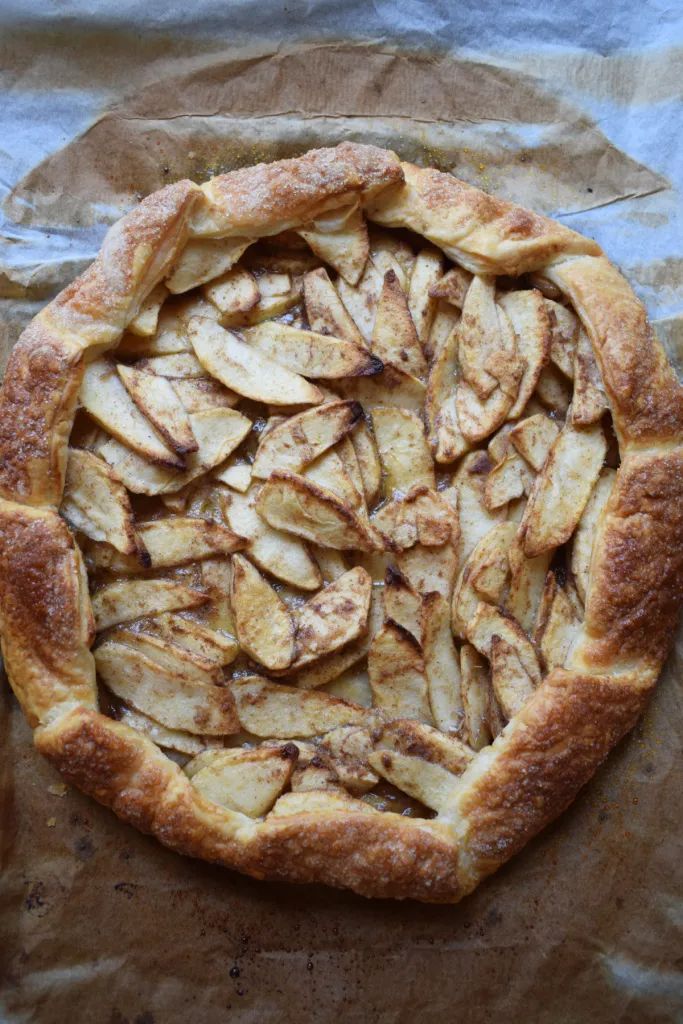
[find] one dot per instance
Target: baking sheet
(574, 114)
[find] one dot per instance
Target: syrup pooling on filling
(336, 498)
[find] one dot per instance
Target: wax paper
(571, 108)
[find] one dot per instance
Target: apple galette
(340, 523)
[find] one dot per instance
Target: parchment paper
(99, 923)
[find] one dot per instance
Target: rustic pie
(341, 522)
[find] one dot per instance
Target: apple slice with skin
(242, 369)
(156, 399)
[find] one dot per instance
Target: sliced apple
(432, 568)
(138, 475)
(107, 401)
(530, 321)
(479, 418)
(177, 540)
(173, 541)
(144, 324)
(318, 356)
(96, 503)
(361, 300)
(369, 464)
(474, 689)
(237, 476)
(422, 516)
(562, 488)
(333, 617)
(353, 684)
(217, 431)
(156, 399)
(442, 664)
(340, 238)
(301, 439)
(347, 454)
(564, 328)
(319, 801)
(198, 394)
(169, 739)
(397, 674)
(427, 270)
(332, 564)
(394, 337)
(329, 472)
(278, 294)
(265, 627)
(402, 604)
(559, 623)
(586, 531)
(330, 668)
(415, 739)
(346, 750)
(203, 259)
(126, 600)
(403, 449)
(480, 335)
(277, 711)
(553, 390)
(244, 370)
(452, 287)
(446, 319)
(429, 783)
(189, 706)
(507, 481)
(533, 438)
(210, 644)
(316, 776)
(326, 312)
(233, 294)
(511, 683)
(248, 781)
(273, 551)
(488, 622)
(393, 388)
(182, 365)
(589, 401)
(391, 252)
(177, 661)
(498, 447)
(299, 506)
(483, 576)
(495, 719)
(171, 333)
(445, 436)
(527, 580)
(216, 576)
(476, 519)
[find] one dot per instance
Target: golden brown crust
(510, 790)
(373, 854)
(37, 405)
(486, 235)
(644, 393)
(40, 389)
(136, 254)
(45, 618)
(534, 771)
(269, 198)
(637, 568)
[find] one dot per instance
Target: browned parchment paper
(99, 923)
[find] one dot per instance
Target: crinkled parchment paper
(568, 108)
